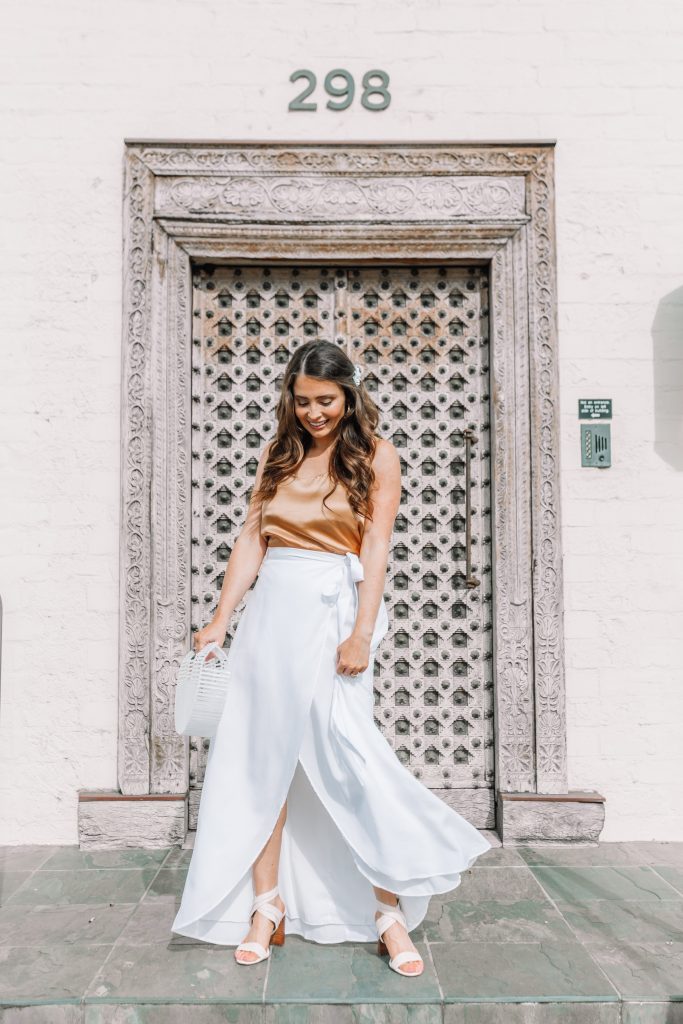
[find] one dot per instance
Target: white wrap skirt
(294, 729)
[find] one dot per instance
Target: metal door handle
(470, 580)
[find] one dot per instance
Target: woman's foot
(261, 930)
(396, 939)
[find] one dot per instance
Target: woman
(301, 790)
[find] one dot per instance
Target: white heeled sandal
(389, 915)
(277, 936)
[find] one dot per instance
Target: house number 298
(375, 95)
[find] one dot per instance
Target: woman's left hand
(353, 656)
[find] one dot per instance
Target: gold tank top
(296, 518)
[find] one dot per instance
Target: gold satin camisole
(296, 518)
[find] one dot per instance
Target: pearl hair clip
(357, 374)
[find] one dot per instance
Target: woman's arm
(353, 654)
(374, 553)
(242, 569)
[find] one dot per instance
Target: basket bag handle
(211, 646)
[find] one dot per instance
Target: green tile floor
(533, 934)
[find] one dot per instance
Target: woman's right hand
(214, 632)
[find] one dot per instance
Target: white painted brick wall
(603, 78)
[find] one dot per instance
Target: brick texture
(605, 79)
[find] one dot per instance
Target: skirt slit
(294, 730)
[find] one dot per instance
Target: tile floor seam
(639, 854)
(21, 886)
(103, 867)
(648, 858)
(265, 983)
(583, 945)
(675, 889)
(117, 939)
(70, 871)
(652, 871)
(580, 940)
(436, 974)
(168, 854)
(537, 880)
(89, 871)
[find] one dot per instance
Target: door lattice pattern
(421, 335)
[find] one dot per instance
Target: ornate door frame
(469, 203)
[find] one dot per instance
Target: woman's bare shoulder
(386, 459)
(266, 451)
(263, 458)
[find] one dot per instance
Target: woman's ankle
(384, 896)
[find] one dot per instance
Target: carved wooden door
(421, 335)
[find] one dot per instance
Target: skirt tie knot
(351, 567)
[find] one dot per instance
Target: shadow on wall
(667, 350)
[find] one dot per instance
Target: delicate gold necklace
(307, 479)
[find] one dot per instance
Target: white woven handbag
(201, 689)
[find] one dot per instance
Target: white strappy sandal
(389, 916)
(277, 936)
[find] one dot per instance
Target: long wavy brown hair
(351, 457)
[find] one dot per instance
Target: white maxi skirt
(294, 729)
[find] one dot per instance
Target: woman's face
(318, 404)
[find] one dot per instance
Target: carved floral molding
(487, 203)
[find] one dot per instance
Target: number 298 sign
(375, 94)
